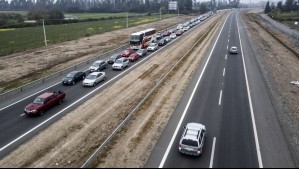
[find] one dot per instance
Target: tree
(268, 8)
(279, 6)
(289, 5)
(203, 8)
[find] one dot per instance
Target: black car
(141, 52)
(73, 77)
(113, 58)
(162, 42)
(167, 39)
(158, 36)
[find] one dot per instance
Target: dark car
(98, 66)
(113, 58)
(141, 52)
(162, 42)
(73, 77)
(167, 39)
(166, 33)
(133, 57)
(179, 33)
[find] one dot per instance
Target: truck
(44, 102)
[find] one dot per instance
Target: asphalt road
(234, 105)
(16, 127)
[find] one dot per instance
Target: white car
(94, 78)
(120, 63)
(152, 47)
(186, 28)
(173, 36)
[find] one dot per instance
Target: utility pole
(127, 20)
(160, 14)
(45, 36)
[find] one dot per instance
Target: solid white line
(188, 104)
(213, 153)
(220, 98)
(44, 122)
(224, 72)
(258, 150)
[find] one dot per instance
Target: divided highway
(229, 97)
(16, 127)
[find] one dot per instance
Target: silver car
(152, 47)
(120, 64)
(192, 139)
(94, 78)
(98, 66)
(233, 50)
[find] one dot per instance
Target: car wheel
(104, 78)
(94, 84)
(41, 112)
(73, 83)
(83, 77)
(106, 66)
(59, 102)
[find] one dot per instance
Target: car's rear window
(188, 142)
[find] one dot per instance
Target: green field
(82, 16)
(15, 40)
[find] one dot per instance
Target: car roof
(193, 130)
(195, 126)
(95, 73)
(46, 95)
(99, 61)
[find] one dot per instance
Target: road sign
(173, 5)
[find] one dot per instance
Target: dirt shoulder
(32, 64)
(279, 67)
(69, 141)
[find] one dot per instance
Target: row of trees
(94, 5)
(288, 6)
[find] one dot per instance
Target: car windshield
(152, 45)
(188, 142)
(39, 101)
(140, 51)
(91, 77)
(71, 75)
(96, 64)
(126, 52)
(113, 56)
(118, 61)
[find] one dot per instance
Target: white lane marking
(226, 47)
(213, 153)
(28, 97)
(44, 122)
(224, 72)
(22, 114)
(226, 57)
(228, 41)
(188, 104)
(258, 150)
(220, 98)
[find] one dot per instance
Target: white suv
(120, 63)
(192, 139)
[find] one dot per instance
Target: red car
(133, 57)
(44, 102)
(127, 52)
(179, 33)
(166, 33)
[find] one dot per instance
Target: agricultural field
(82, 16)
(15, 40)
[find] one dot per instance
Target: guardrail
(158, 83)
(56, 74)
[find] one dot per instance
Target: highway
(16, 128)
(228, 95)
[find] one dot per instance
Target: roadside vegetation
(287, 11)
